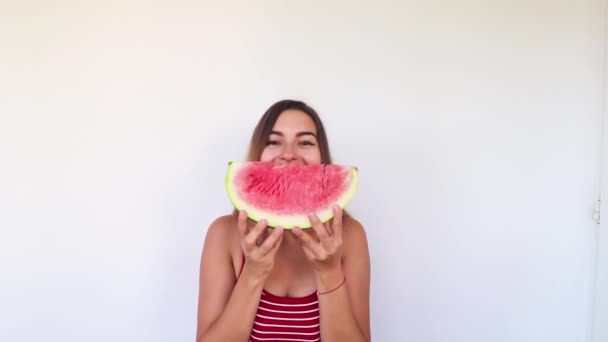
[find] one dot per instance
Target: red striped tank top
(286, 319)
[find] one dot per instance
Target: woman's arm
(344, 313)
(338, 258)
(226, 307)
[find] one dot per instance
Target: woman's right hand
(259, 247)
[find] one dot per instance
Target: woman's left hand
(323, 248)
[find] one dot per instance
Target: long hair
(264, 127)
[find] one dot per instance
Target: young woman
(270, 285)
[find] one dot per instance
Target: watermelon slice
(284, 195)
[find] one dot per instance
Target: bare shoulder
(222, 226)
(352, 229)
(354, 235)
(223, 232)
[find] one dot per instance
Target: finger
(253, 235)
(272, 242)
(277, 244)
(313, 235)
(309, 253)
(320, 230)
(318, 227)
(327, 226)
(307, 240)
(262, 237)
(242, 224)
(337, 224)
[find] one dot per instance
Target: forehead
(293, 121)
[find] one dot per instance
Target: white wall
(475, 126)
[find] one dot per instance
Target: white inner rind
(286, 221)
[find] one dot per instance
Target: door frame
(600, 297)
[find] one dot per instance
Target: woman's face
(293, 140)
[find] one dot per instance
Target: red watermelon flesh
(283, 195)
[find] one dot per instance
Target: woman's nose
(288, 153)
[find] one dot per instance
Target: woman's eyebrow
(297, 135)
(305, 133)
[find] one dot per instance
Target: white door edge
(600, 297)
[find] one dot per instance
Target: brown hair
(267, 121)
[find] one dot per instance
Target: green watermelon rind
(286, 222)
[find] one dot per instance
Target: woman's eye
(272, 142)
(309, 143)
